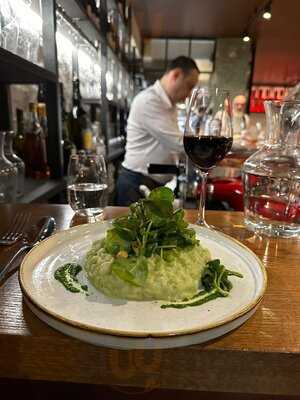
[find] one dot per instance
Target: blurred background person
(240, 120)
(153, 134)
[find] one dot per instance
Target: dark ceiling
(194, 18)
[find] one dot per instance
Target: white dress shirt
(152, 132)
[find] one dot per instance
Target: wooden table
(262, 356)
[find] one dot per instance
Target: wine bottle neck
(76, 92)
(9, 142)
(35, 126)
(2, 139)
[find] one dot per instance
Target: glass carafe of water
(271, 176)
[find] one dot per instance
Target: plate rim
(142, 334)
(138, 343)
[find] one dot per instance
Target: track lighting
(246, 38)
(267, 11)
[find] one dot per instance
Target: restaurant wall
(277, 58)
(233, 60)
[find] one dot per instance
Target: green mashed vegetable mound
(171, 280)
(150, 254)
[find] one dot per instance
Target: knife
(47, 225)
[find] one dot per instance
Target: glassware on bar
(271, 176)
(15, 160)
(89, 71)
(67, 42)
(10, 26)
(87, 184)
(8, 176)
(207, 134)
(22, 29)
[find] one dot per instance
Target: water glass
(87, 185)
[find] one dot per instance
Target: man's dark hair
(186, 64)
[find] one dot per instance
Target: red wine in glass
(206, 151)
(207, 134)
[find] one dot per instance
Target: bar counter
(260, 357)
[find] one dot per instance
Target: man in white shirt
(152, 130)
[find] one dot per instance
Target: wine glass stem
(201, 212)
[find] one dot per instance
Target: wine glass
(87, 185)
(207, 134)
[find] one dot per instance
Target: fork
(15, 231)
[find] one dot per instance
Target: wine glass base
(81, 217)
(204, 224)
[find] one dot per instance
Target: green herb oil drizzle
(67, 276)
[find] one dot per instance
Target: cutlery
(16, 230)
(47, 226)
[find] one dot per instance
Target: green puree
(67, 276)
(216, 283)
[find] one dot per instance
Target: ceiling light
(267, 11)
(267, 15)
(246, 38)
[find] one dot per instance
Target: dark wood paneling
(194, 18)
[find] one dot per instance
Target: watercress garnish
(151, 227)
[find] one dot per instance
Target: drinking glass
(87, 185)
(271, 176)
(10, 26)
(207, 134)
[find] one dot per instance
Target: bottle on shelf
(41, 94)
(42, 116)
(35, 147)
(77, 114)
(15, 160)
(87, 134)
(98, 146)
(68, 144)
(80, 122)
(41, 109)
(19, 138)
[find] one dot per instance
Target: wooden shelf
(91, 101)
(15, 69)
(37, 191)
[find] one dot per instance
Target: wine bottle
(68, 145)
(87, 134)
(77, 115)
(19, 139)
(35, 153)
(41, 94)
(41, 109)
(42, 116)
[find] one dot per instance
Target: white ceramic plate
(125, 324)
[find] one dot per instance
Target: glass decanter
(8, 176)
(15, 160)
(271, 176)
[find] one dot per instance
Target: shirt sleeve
(247, 121)
(161, 123)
